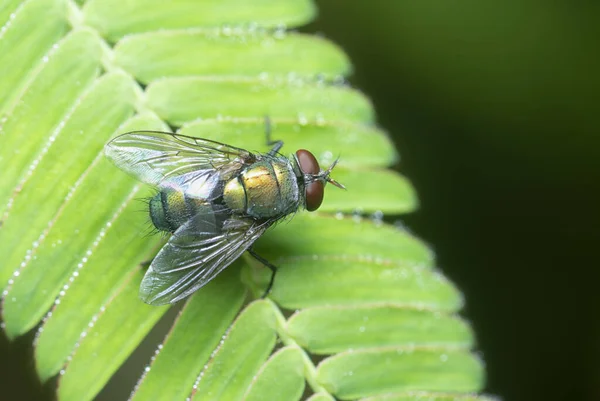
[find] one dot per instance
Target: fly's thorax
(170, 208)
(266, 189)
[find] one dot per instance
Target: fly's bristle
(150, 231)
(146, 202)
(333, 165)
(145, 199)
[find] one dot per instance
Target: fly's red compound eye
(315, 190)
(308, 162)
(314, 195)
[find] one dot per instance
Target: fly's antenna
(324, 175)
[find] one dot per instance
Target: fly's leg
(276, 144)
(267, 264)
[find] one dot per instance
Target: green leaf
(115, 19)
(282, 377)
(237, 360)
(376, 191)
(368, 301)
(154, 55)
(354, 374)
(199, 329)
(29, 32)
(26, 139)
(182, 100)
(329, 329)
(111, 336)
(43, 198)
(348, 239)
(321, 397)
(7, 10)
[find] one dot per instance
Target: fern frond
(372, 318)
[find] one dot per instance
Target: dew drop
(377, 217)
(319, 119)
(339, 80)
(302, 120)
(280, 31)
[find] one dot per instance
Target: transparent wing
(165, 159)
(196, 253)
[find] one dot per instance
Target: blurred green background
(494, 108)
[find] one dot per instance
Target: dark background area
(494, 109)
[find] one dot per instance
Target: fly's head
(314, 178)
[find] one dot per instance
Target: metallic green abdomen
(266, 189)
(169, 209)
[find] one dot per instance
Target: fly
(215, 200)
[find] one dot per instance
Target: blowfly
(215, 200)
